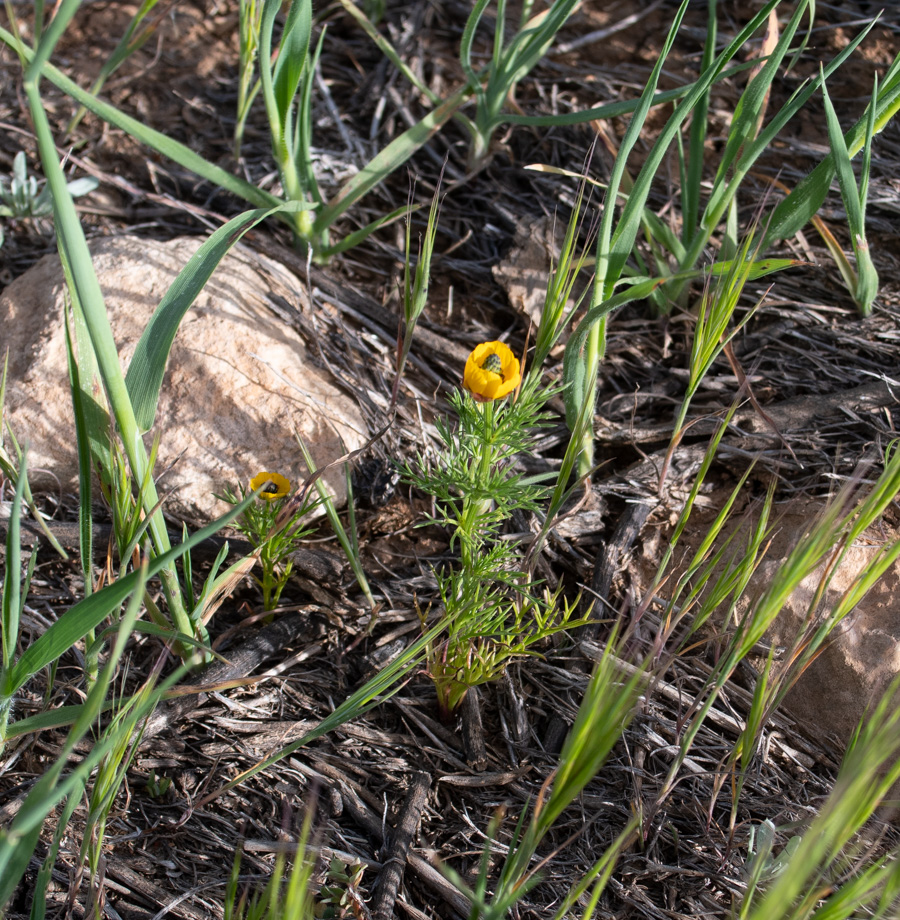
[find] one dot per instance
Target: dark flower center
(493, 364)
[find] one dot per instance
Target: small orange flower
(275, 485)
(492, 372)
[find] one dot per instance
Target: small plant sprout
(250, 12)
(415, 282)
(287, 894)
(863, 282)
(762, 865)
(28, 196)
(273, 540)
(139, 31)
(492, 609)
(340, 894)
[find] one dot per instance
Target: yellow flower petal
(492, 371)
(278, 486)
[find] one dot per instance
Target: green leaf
(622, 242)
(18, 842)
(794, 212)
(574, 370)
(387, 160)
(12, 601)
(357, 236)
(52, 718)
(62, 16)
(19, 839)
(758, 269)
(148, 365)
(163, 144)
(89, 613)
(465, 47)
(292, 53)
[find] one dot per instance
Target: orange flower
(276, 486)
(492, 372)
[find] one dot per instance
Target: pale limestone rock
(237, 386)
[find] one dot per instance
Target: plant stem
(476, 502)
(594, 351)
(73, 249)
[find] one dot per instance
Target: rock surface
(237, 386)
(858, 665)
(863, 655)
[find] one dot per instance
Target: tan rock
(863, 654)
(237, 386)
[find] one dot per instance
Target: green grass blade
(18, 840)
(348, 544)
(614, 247)
(529, 46)
(388, 50)
(90, 612)
(617, 109)
(573, 358)
(387, 160)
(608, 706)
(693, 175)
(45, 874)
(93, 399)
(797, 209)
(157, 141)
(723, 193)
(52, 718)
(133, 40)
(871, 766)
(867, 151)
(85, 466)
(148, 365)
(864, 286)
(623, 240)
(745, 123)
(12, 601)
(62, 16)
(465, 49)
(302, 161)
(846, 178)
(414, 291)
(71, 627)
(292, 52)
(277, 126)
(76, 256)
